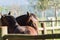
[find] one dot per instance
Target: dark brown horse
(14, 27)
(28, 19)
(8, 20)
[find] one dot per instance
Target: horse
(14, 27)
(8, 21)
(28, 19)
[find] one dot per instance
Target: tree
(55, 4)
(1, 10)
(42, 5)
(45, 4)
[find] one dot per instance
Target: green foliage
(1, 9)
(42, 4)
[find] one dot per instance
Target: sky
(24, 4)
(13, 2)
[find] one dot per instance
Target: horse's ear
(9, 13)
(28, 13)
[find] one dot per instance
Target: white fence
(5, 35)
(49, 28)
(4, 29)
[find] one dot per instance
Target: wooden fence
(6, 36)
(26, 37)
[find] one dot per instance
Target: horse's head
(33, 21)
(3, 20)
(7, 20)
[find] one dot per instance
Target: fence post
(4, 30)
(52, 24)
(44, 29)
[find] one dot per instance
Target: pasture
(15, 26)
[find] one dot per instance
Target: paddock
(4, 35)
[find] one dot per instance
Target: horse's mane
(22, 19)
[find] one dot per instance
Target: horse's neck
(11, 28)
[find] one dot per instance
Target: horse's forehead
(34, 19)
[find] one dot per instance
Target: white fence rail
(49, 28)
(4, 29)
